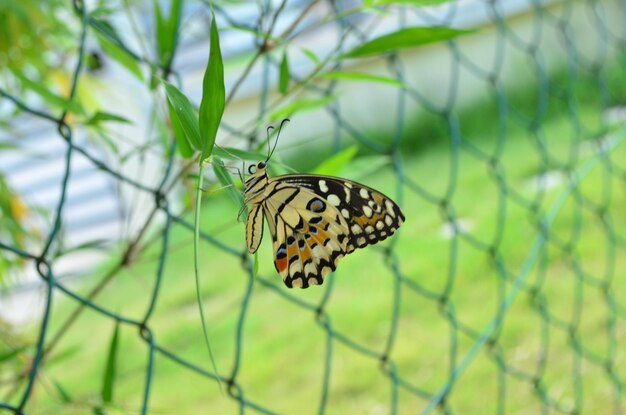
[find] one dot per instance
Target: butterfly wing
(254, 228)
(309, 234)
(371, 216)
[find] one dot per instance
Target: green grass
(283, 348)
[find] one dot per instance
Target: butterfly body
(315, 221)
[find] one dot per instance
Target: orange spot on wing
(305, 254)
(281, 264)
(364, 220)
(292, 250)
(378, 198)
(320, 236)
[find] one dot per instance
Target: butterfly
(314, 221)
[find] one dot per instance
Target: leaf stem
(196, 246)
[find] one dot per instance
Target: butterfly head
(257, 181)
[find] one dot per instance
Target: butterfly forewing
(371, 216)
(315, 221)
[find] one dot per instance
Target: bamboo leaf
(109, 373)
(51, 98)
(63, 355)
(167, 31)
(231, 153)
(184, 114)
(116, 52)
(226, 180)
(363, 77)
(182, 141)
(333, 165)
(366, 165)
(102, 116)
(11, 354)
(405, 38)
(65, 396)
(213, 94)
(301, 105)
(309, 53)
(283, 80)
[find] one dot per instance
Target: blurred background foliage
(481, 119)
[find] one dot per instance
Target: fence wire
(525, 278)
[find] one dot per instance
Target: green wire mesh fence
(504, 292)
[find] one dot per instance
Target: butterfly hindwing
(254, 228)
(309, 235)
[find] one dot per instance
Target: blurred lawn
(283, 346)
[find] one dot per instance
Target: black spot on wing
(316, 205)
(281, 252)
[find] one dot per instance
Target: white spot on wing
(356, 229)
(368, 211)
(364, 193)
(323, 186)
(333, 200)
(380, 225)
(309, 268)
(388, 220)
(345, 213)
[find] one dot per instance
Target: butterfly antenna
(280, 127)
(269, 150)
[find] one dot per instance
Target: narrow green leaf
(161, 29)
(226, 180)
(182, 142)
(51, 98)
(231, 153)
(61, 356)
(405, 38)
(213, 94)
(97, 244)
(8, 146)
(360, 76)
(309, 53)
(101, 11)
(283, 80)
(333, 165)
(119, 54)
(301, 105)
(167, 31)
(366, 165)
(185, 114)
(65, 397)
(102, 116)
(10, 354)
(109, 373)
